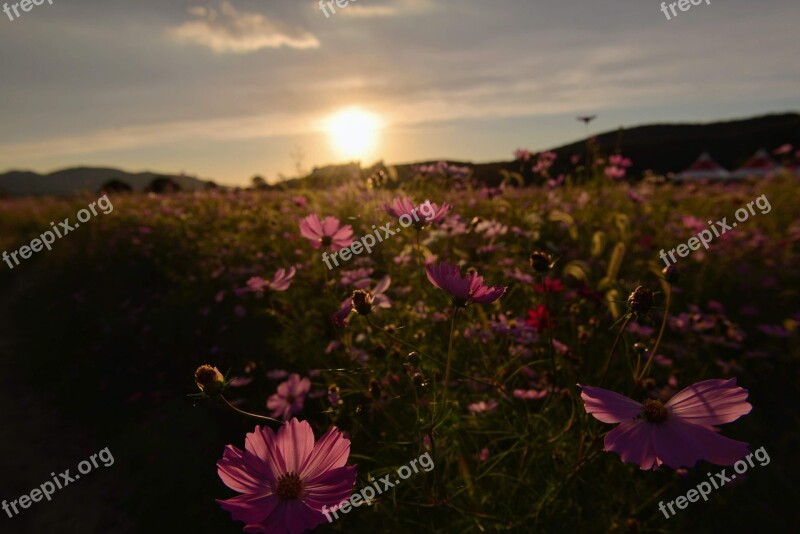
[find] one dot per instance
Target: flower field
(528, 338)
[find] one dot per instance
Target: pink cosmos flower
(783, 149)
(290, 397)
(678, 433)
(520, 276)
(523, 154)
(619, 161)
(483, 455)
(285, 480)
(615, 173)
(326, 233)
(553, 183)
(545, 161)
(529, 394)
(463, 290)
(280, 281)
(427, 212)
(353, 277)
(482, 406)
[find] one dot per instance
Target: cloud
(225, 29)
(372, 11)
(400, 7)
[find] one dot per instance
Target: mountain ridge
(661, 148)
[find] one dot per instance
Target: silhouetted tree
(258, 183)
(163, 184)
(115, 186)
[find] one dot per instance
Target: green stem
(613, 347)
(464, 375)
(549, 335)
(234, 408)
(449, 356)
(647, 365)
(393, 337)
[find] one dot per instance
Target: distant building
(704, 168)
(760, 165)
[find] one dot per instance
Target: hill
(74, 180)
(661, 148)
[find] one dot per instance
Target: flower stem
(393, 337)
(613, 347)
(668, 290)
(549, 327)
(234, 408)
(551, 347)
(449, 356)
(493, 383)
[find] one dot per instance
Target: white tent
(704, 168)
(760, 165)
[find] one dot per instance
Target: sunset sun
(353, 132)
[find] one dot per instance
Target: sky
(228, 89)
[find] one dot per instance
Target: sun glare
(353, 132)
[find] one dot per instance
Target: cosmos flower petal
(282, 279)
(389, 209)
(681, 444)
(261, 444)
(433, 275)
(334, 486)
(465, 290)
(285, 388)
(488, 294)
(301, 387)
(330, 225)
(343, 233)
(383, 285)
(310, 228)
(240, 474)
(250, 508)
(633, 441)
(298, 517)
(710, 402)
(295, 441)
(608, 406)
(381, 301)
(330, 452)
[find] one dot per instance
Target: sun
(353, 132)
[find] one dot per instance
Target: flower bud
(209, 380)
(362, 302)
(541, 262)
(641, 300)
(334, 396)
